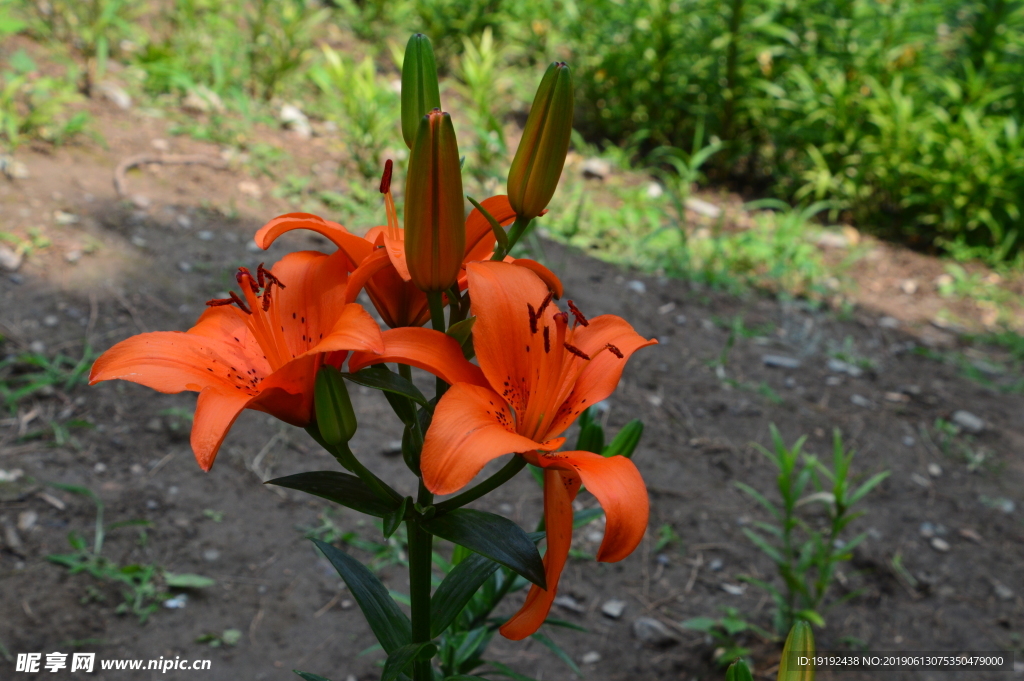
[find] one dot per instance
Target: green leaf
(762, 544)
(395, 518)
(389, 624)
(738, 671)
(457, 589)
(559, 653)
(565, 625)
(811, 616)
(341, 488)
(591, 438)
(310, 677)
(499, 232)
(388, 381)
(493, 536)
(462, 331)
(586, 516)
(704, 624)
(187, 581)
(625, 442)
(505, 670)
(867, 487)
(404, 656)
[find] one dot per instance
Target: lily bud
(420, 93)
(334, 414)
(535, 171)
(799, 649)
(738, 671)
(435, 233)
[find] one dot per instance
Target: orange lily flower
(260, 351)
(379, 258)
(539, 371)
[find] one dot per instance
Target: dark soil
(154, 273)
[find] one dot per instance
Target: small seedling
(724, 632)
(228, 637)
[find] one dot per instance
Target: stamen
(385, 180)
(614, 350)
(533, 318)
(544, 304)
(576, 351)
(270, 277)
(547, 339)
(259, 275)
(266, 298)
(580, 319)
(244, 272)
(233, 300)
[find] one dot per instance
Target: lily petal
(426, 349)
(216, 411)
(559, 491)
(354, 330)
(599, 379)
(471, 426)
(172, 361)
(554, 284)
(617, 484)
(354, 246)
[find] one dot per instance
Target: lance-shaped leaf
(395, 518)
(625, 442)
(389, 624)
(457, 589)
(420, 91)
(387, 381)
(404, 656)
(341, 488)
(310, 677)
(493, 536)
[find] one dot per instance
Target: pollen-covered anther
(244, 274)
(547, 339)
(576, 351)
(614, 350)
(385, 180)
(233, 300)
(266, 298)
(580, 319)
(534, 316)
(544, 304)
(265, 277)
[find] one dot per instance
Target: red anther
(266, 299)
(614, 350)
(217, 302)
(547, 339)
(576, 351)
(240, 303)
(259, 275)
(271, 278)
(580, 319)
(533, 318)
(385, 180)
(544, 304)
(244, 272)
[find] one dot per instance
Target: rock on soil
(653, 633)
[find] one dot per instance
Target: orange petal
(354, 329)
(216, 410)
(617, 484)
(312, 300)
(354, 246)
(559, 490)
(554, 284)
(396, 251)
(426, 349)
(510, 354)
(479, 236)
(599, 379)
(172, 361)
(287, 394)
(471, 426)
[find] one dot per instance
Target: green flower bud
(535, 171)
(435, 215)
(334, 414)
(738, 671)
(420, 93)
(799, 644)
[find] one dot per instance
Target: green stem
(405, 371)
(515, 233)
(349, 461)
(419, 592)
(420, 557)
(437, 322)
(500, 478)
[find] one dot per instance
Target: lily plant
(513, 369)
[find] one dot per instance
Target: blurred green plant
(806, 556)
(363, 105)
(36, 107)
(725, 632)
(26, 374)
(143, 587)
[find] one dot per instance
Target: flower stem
(420, 555)
(500, 478)
(515, 233)
(437, 321)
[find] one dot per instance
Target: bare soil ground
(125, 268)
